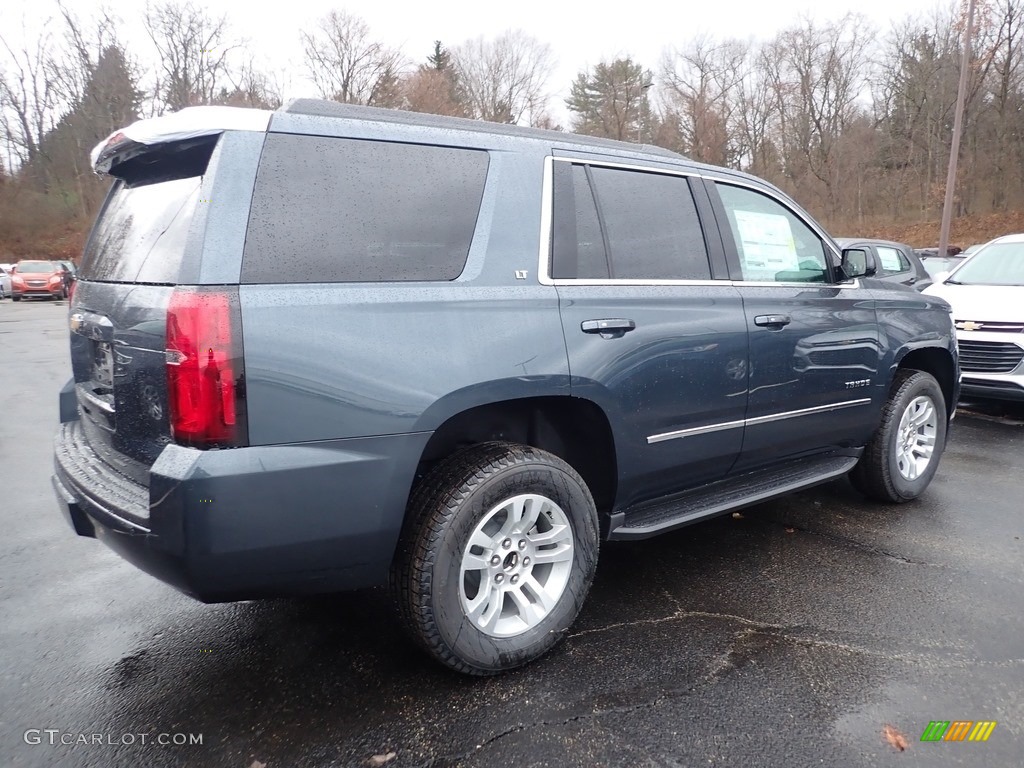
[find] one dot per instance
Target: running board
(727, 495)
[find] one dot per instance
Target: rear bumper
(247, 522)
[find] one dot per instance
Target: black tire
(15, 298)
(444, 511)
(877, 474)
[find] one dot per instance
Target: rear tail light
(205, 382)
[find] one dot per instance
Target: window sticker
(767, 245)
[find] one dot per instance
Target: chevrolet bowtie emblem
(969, 325)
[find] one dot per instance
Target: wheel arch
(938, 362)
(575, 429)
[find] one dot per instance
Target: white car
(986, 292)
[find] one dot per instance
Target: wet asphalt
(793, 635)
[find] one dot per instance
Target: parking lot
(797, 633)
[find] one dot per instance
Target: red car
(39, 278)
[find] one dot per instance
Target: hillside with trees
(854, 122)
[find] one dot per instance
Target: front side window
(772, 243)
(891, 261)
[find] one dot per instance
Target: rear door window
(618, 224)
(578, 246)
(651, 224)
(346, 210)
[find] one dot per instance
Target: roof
(845, 242)
(324, 108)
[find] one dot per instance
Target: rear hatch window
(141, 233)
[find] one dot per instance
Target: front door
(814, 346)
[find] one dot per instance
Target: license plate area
(102, 367)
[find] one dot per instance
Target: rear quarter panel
(338, 360)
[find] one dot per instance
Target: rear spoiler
(179, 128)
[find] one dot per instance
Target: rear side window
(651, 228)
(140, 234)
(346, 210)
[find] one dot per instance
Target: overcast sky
(579, 33)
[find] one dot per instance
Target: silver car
(5, 281)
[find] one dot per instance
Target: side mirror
(858, 262)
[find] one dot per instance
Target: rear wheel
(903, 455)
(498, 555)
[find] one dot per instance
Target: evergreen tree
(611, 100)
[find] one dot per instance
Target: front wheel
(901, 459)
(498, 554)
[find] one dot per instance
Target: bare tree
(28, 94)
(702, 84)
(252, 87)
(347, 66)
(1002, 131)
(505, 79)
(193, 51)
(756, 116)
(817, 73)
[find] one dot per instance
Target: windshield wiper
(952, 282)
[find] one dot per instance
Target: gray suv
(332, 347)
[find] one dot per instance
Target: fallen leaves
(791, 530)
(258, 764)
(737, 516)
(382, 759)
(895, 738)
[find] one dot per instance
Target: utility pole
(641, 108)
(958, 125)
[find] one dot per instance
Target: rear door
(814, 345)
(147, 240)
(652, 335)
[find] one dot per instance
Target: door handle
(611, 328)
(772, 321)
